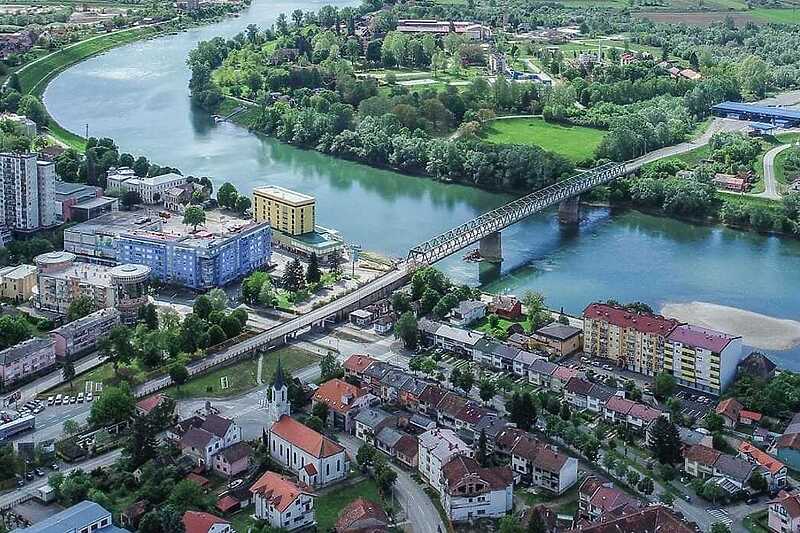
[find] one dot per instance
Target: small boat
(474, 256)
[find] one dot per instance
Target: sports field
(574, 142)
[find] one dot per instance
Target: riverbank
(757, 330)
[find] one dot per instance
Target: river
(138, 96)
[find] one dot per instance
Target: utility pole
(87, 130)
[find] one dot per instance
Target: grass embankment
(35, 76)
(779, 16)
(573, 142)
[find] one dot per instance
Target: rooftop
(338, 395)
(74, 518)
(280, 491)
(282, 194)
(559, 331)
(698, 337)
(18, 351)
(619, 316)
(304, 437)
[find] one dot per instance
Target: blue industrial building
(778, 116)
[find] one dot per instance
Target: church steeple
(278, 404)
(279, 382)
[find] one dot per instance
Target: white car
(80, 397)
(89, 397)
(51, 400)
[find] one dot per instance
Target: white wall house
(437, 447)
(282, 503)
(316, 459)
(470, 491)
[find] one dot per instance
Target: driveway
(770, 181)
(419, 508)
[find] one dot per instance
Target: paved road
(419, 508)
(32, 389)
(770, 181)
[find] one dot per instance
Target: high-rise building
(287, 211)
(28, 192)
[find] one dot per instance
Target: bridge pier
(569, 211)
(491, 248)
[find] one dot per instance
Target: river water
(138, 96)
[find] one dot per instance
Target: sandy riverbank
(759, 331)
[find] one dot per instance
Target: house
(355, 365)
(469, 417)
(430, 399)
(200, 445)
(542, 465)
(784, 513)
(523, 362)
(597, 499)
(749, 418)
(558, 339)
(521, 341)
(368, 422)
(577, 391)
(233, 460)
(362, 516)
(449, 408)
(343, 400)
(468, 312)
(407, 450)
(469, 491)
(410, 392)
(436, 448)
(82, 517)
(420, 424)
(653, 518)
(198, 522)
(735, 470)
(282, 503)
(616, 409)
(698, 461)
(758, 366)
(508, 307)
(541, 372)
(361, 318)
(392, 382)
(774, 471)
(561, 375)
(234, 499)
(455, 340)
(386, 440)
(316, 459)
(145, 407)
(641, 416)
(81, 336)
(598, 396)
(384, 324)
(729, 410)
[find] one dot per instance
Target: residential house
(355, 365)
(226, 429)
(749, 418)
(233, 460)
(343, 401)
(469, 491)
(598, 396)
(410, 393)
(386, 440)
(282, 503)
(436, 448)
(597, 499)
(369, 422)
(698, 461)
(448, 409)
(372, 375)
(468, 418)
(641, 416)
(201, 446)
(316, 459)
(736, 471)
(774, 471)
(430, 399)
(653, 518)
(81, 518)
(491, 426)
(392, 382)
(468, 312)
(385, 324)
(577, 391)
(541, 372)
(199, 522)
(729, 410)
(362, 516)
(542, 465)
(558, 339)
(523, 362)
(455, 340)
(145, 406)
(616, 409)
(361, 318)
(508, 307)
(561, 375)
(521, 341)
(407, 450)
(784, 513)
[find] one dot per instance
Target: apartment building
(436, 448)
(282, 503)
(702, 358)
(469, 492)
(26, 359)
(285, 210)
(28, 192)
(80, 336)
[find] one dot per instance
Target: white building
(282, 503)
(470, 492)
(316, 459)
(151, 190)
(213, 435)
(437, 447)
(541, 465)
(82, 335)
(702, 358)
(28, 192)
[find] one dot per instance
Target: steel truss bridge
(476, 229)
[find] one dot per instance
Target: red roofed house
(784, 512)
(507, 307)
(561, 375)
(773, 470)
(617, 408)
(748, 418)
(542, 465)
(596, 499)
(729, 410)
(658, 518)
(317, 460)
(631, 340)
(282, 503)
(362, 516)
(343, 400)
(698, 460)
(356, 364)
(470, 491)
(197, 522)
(145, 407)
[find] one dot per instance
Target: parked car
(39, 472)
(50, 400)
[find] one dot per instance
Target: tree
(415, 364)
(218, 299)
(632, 477)
(330, 367)
(713, 422)
(80, 307)
(187, 495)
(719, 527)
(178, 374)
(487, 389)
(266, 295)
(31, 107)
(194, 216)
(117, 347)
(115, 404)
(646, 486)
(467, 381)
(227, 195)
(202, 306)
(664, 386)
(148, 315)
(665, 441)
(216, 335)
(712, 492)
(522, 410)
(13, 82)
(483, 455)
(130, 199)
(509, 524)
(406, 329)
(68, 372)
(71, 426)
(320, 410)
(315, 423)
(141, 445)
(757, 482)
(231, 326)
(294, 278)
(565, 413)
(313, 273)
(241, 315)
(401, 302)
(242, 204)
(536, 523)
(534, 305)
(366, 455)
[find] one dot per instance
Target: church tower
(278, 404)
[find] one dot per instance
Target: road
(770, 181)
(420, 510)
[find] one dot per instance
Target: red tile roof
(789, 440)
(644, 412)
(701, 454)
(217, 425)
(148, 404)
(761, 458)
(750, 415)
(656, 518)
(432, 395)
(790, 501)
(362, 514)
(461, 467)
(619, 405)
(358, 363)
(197, 478)
(549, 460)
(564, 373)
(526, 447)
(336, 392)
(226, 503)
(278, 490)
(407, 446)
(304, 437)
(697, 337)
(197, 522)
(729, 408)
(645, 323)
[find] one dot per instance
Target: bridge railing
(472, 231)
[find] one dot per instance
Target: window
(327, 469)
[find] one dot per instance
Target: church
(316, 459)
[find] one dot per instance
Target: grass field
(574, 142)
(781, 16)
(328, 507)
(241, 376)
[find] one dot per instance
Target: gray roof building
(389, 437)
(560, 332)
(732, 467)
(372, 418)
(543, 366)
(24, 349)
(85, 515)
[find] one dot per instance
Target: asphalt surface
(770, 181)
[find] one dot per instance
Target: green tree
(467, 381)
(202, 306)
(330, 368)
(31, 107)
(117, 347)
(188, 495)
(242, 204)
(231, 326)
(487, 389)
(536, 523)
(565, 412)
(148, 315)
(406, 330)
(68, 372)
(313, 273)
(664, 386)
(713, 422)
(218, 299)
(194, 216)
(71, 427)
(227, 195)
(294, 278)
(665, 441)
(321, 411)
(509, 524)
(757, 482)
(115, 404)
(719, 527)
(80, 307)
(216, 335)
(482, 455)
(13, 82)
(646, 486)
(178, 374)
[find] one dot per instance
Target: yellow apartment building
(287, 211)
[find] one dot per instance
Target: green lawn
(241, 376)
(328, 507)
(502, 326)
(99, 374)
(781, 16)
(241, 520)
(574, 142)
